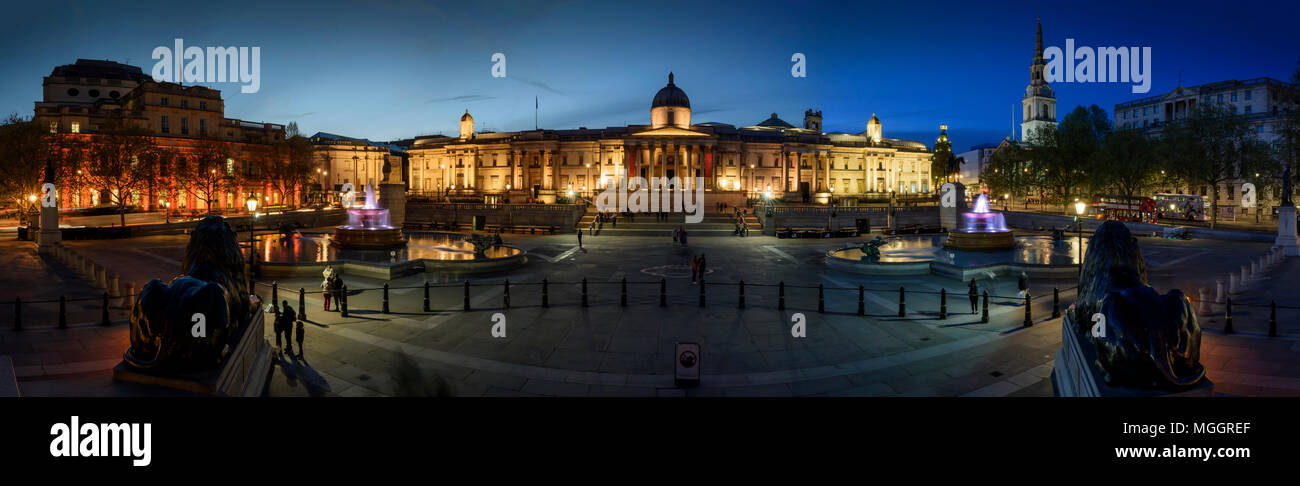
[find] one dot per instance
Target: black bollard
(1227, 317)
(426, 297)
(546, 301)
(742, 294)
(63, 313)
(1056, 302)
(18, 313)
(506, 297)
(663, 292)
(622, 293)
(104, 317)
(701, 291)
(385, 298)
(780, 295)
(821, 298)
(1272, 318)
(862, 307)
(275, 297)
(302, 304)
(984, 316)
(902, 302)
(584, 291)
(343, 300)
(943, 304)
(1029, 321)
(467, 296)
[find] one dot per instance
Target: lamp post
(1079, 207)
(252, 251)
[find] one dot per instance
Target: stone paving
(607, 350)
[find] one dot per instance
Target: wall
(1035, 220)
(558, 215)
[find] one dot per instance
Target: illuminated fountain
(981, 230)
(368, 227)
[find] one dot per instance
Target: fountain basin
(926, 255)
(980, 241)
(424, 252)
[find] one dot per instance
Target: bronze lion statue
(213, 283)
(1148, 340)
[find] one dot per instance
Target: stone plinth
(1075, 373)
(393, 197)
(49, 234)
(1286, 231)
(244, 373)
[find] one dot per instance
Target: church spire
(1038, 43)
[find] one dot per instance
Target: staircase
(645, 224)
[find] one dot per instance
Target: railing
(658, 292)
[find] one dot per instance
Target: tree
(207, 171)
(286, 166)
(1209, 148)
(1009, 172)
(1065, 153)
(1126, 163)
(25, 147)
(118, 159)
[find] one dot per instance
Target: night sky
(395, 69)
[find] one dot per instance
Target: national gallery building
(771, 158)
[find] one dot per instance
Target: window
(185, 103)
(54, 127)
(203, 105)
(1220, 97)
(1234, 96)
(163, 101)
(1248, 95)
(1248, 107)
(203, 127)
(76, 127)
(185, 126)
(165, 127)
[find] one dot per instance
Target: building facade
(342, 160)
(771, 157)
(1263, 101)
(80, 99)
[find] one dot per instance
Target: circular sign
(687, 359)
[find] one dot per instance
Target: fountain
(368, 227)
(981, 230)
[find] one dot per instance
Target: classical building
(80, 99)
(1263, 101)
(1039, 102)
(770, 157)
(342, 160)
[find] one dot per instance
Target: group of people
(332, 287)
(698, 266)
(679, 234)
(285, 324)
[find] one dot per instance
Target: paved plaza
(604, 349)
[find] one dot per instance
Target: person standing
(683, 236)
(579, 239)
(674, 236)
(288, 316)
(704, 266)
(695, 267)
(1022, 283)
(278, 327)
(326, 287)
(974, 296)
(337, 289)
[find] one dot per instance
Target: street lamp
(1079, 207)
(252, 253)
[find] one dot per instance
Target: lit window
(76, 127)
(54, 127)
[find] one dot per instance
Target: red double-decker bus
(1120, 208)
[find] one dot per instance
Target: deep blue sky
(388, 69)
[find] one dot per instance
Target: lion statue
(1148, 340)
(213, 287)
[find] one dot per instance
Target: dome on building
(466, 116)
(774, 122)
(671, 95)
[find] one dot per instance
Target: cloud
(535, 83)
(470, 97)
(293, 116)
